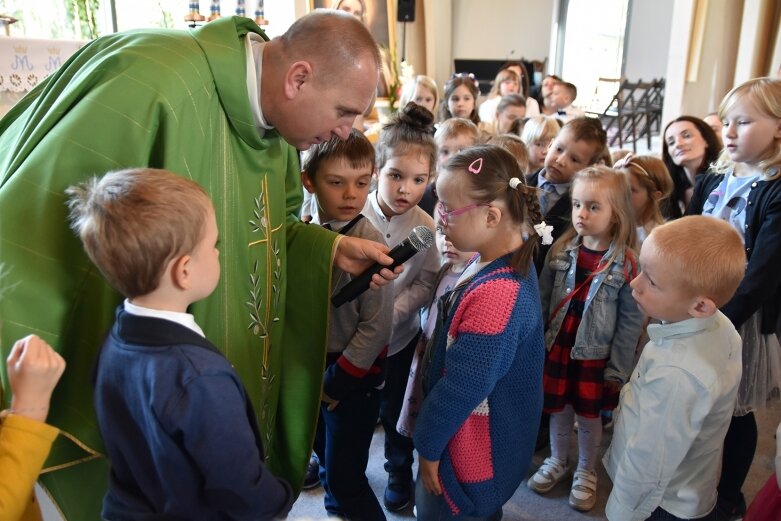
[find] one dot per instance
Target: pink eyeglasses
(445, 216)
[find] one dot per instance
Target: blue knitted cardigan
(484, 398)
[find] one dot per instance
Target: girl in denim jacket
(592, 325)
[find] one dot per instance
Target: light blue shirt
(549, 198)
(729, 199)
(672, 419)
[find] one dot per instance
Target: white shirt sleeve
(662, 432)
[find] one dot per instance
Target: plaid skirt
(580, 383)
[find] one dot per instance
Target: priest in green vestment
(228, 108)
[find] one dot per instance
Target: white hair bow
(544, 231)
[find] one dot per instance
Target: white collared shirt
(412, 290)
(254, 44)
(569, 113)
(183, 319)
(672, 419)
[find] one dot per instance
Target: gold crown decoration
(259, 14)
(214, 10)
(53, 51)
(20, 49)
(240, 8)
(195, 13)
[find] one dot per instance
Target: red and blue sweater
(484, 398)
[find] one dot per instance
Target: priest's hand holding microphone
(379, 273)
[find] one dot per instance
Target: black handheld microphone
(419, 239)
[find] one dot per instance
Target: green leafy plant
(83, 14)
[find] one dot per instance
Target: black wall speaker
(405, 11)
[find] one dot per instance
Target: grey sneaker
(584, 490)
(548, 475)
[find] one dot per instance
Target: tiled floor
(525, 505)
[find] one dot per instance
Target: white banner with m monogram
(25, 62)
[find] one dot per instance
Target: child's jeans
(342, 446)
(663, 515)
(434, 508)
(398, 448)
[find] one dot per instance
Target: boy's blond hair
(455, 127)
(514, 145)
(540, 128)
(133, 222)
(705, 255)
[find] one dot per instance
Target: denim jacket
(611, 322)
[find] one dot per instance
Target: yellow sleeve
(24, 446)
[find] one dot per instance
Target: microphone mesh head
(421, 237)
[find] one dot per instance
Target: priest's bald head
(318, 76)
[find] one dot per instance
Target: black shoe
(312, 478)
(725, 512)
(398, 493)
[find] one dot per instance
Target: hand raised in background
(34, 369)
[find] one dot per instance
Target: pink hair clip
(476, 166)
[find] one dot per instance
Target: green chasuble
(175, 100)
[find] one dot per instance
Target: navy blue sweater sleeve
(210, 418)
(762, 280)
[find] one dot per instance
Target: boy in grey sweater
(339, 174)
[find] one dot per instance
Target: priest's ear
(298, 77)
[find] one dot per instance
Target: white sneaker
(548, 475)
(584, 490)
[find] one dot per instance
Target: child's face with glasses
(447, 252)
(459, 217)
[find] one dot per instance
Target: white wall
(649, 39)
(514, 29)
(698, 90)
(502, 29)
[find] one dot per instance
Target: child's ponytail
(411, 129)
(524, 257)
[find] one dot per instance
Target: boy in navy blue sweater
(179, 429)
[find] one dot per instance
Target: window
(591, 45)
